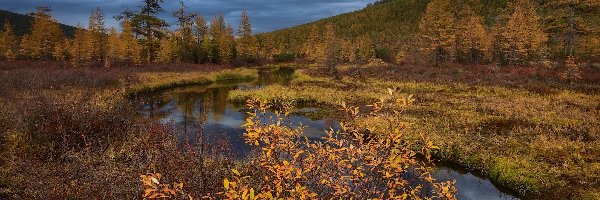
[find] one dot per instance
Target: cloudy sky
(266, 15)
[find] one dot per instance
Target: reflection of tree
(219, 102)
(279, 76)
(187, 105)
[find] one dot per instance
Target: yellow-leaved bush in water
(355, 162)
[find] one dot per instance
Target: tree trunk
(571, 36)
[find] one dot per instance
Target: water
(185, 108)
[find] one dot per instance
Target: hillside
(394, 24)
(386, 22)
(21, 23)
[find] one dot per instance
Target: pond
(185, 108)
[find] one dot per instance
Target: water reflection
(470, 186)
(185, 108)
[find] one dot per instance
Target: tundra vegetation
(508, 88)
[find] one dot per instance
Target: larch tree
(61, 51)
(521, 38)
(130, 47)
(365, 50)
(113, 49)
(167, 50)
(184, 35)
(96, 38)
(347, 51)
(437, 31)
(79, 49)
(223, 39)
(314, 48)
(216, 36)
(246, 43)
(8, 43)
(208, 48)
(473, 42)
(45, 33)
(146, 24)
(202, 37)
(229, 46)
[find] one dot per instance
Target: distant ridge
(387, 22)
(22, 23)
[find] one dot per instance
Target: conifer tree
(208, 48)
(521, 39)
(61, 51)
(473, 42)
(185, 41)
(216, 35)
(96, 38)
(166, 52)
(146, 24)
(130, 47)
(314, 48)
(201, 28)
(201, 32)
(113, 49)
(45, 33)
(79, 47)
(437, 31)
(8, 42)
(347, 51)
(247, 43)
(230, 44)
(365, 50)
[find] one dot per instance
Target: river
(189, 107)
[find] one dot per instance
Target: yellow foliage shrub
(356, 162)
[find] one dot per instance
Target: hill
(389, 23)
(22, 23)
(394, 24)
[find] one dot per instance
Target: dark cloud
(266, 15)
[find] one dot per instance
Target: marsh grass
(158, 81)
(540, 142)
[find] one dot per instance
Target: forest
(401, 99)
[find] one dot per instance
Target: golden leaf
(226, 183)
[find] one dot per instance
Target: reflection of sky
(469, 186)
(183, 109)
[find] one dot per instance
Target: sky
(265, 15)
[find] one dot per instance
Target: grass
(151, 82)
(540, 142)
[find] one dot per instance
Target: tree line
(466, 31)
(143, 37)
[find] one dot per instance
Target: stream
(185, 108)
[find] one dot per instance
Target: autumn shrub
(356, 162)
(56, 124)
